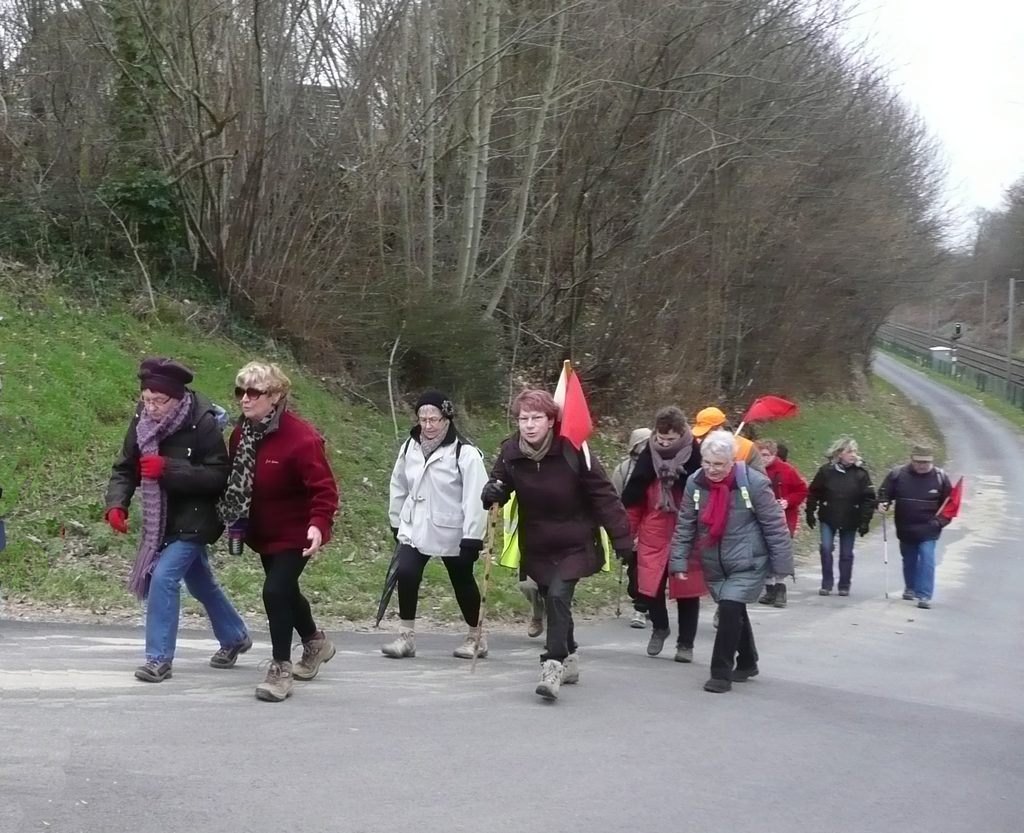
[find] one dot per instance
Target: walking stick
(618, 598)
(493, 520)
(885, 553)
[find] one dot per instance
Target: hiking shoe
(551, 671)
(717, 686)
(741, 675)
(535, 629)
(844, 591)
(714, 621)
(469, 645)
(657, 642)
(153, 671)
(780, 596)
(638, 620)
(683, 654)
(908, 595)
(277, 687)
(315, 653)
(571, 670)
(825, 591)
(403, 646)
(924, 604)
(227, 657)
(768, 597)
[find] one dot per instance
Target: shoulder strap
(572, 457)
(743, 481)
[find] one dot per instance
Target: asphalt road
(869, 714)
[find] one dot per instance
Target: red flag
(766, 408)
(951, 505)
(575, 422)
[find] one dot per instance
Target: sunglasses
(252, 393)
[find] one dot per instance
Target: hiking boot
(551, 671)
(908, 595)
(571, 670)
(638, 620)
(277, 687)
(153, 671)
(780, 596)
(683, 654)
(535, 629)
(227, 657)
(844, 591)
(924, 604)
(657, 642)
(469, 646)
(714, 621)
(825, 591)
(315, 652)
(717, 686)
(403, 646)
(741, 675)
(768, 597)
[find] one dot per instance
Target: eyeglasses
(530, 420)
(428, 421)
(155, 402)
(252, 393)
(716, 466)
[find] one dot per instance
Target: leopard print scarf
(234, 504)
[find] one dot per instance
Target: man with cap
(712, 419)
(919, 489)
(435, 510)
(174, 451)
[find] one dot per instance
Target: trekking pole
(618, 598)
(885, 553)
(493, 520)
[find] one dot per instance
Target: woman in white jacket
(435, 510)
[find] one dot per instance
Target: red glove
(118, 520)
(151, 466)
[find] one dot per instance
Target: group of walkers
(693, 511)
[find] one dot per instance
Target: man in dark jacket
(919, 490)
(174, 451)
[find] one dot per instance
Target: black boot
(768, 597)
(780, 595)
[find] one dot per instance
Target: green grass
(69, 389)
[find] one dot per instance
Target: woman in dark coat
(564, 498)
(842, 498)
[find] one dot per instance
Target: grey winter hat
(922, 454)
(638, 438)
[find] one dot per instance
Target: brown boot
(277, 687)
(317, 651)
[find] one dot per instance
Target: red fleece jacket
(790, 486)
(293, 488)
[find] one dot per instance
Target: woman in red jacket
(790, 491)
(281, 499)
(652, 496)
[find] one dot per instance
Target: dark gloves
(118, 520)
(494, 493)
(811, 521)
(627, 557)
(864, 529)
(469, 548)
(394, 533)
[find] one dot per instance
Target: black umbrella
(390, 583)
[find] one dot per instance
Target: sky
(960, 63)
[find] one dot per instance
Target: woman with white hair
(842, 498)
(730, 520)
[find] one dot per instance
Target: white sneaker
(638, 620)
(550, 679)
(468, 646)
(403, 646)
(571, 670)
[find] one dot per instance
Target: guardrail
(986, 370)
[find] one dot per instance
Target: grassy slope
(69, 387)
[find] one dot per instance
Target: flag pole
(885, 552)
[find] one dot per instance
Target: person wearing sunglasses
(174, 452)
(280, 500)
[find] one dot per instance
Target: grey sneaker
(153, 671)
(277, 687)
(314, 654)
(908, 595)
(535, 629)
(571, 670)
(550, 679)
(717, 686)
(825, 591)
(227, 657)
(403, 646)
(741, 675)
(657, 642)
(844, 591)
(468, 646)
(924, 604)
(638, 620)
(683, 654)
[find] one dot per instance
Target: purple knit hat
(164, 376)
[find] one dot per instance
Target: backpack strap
(572, 457)
(743, 481)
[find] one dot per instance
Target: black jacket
(918, 498)
(843, 500)
(194, 476)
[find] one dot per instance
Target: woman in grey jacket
(435, 510)
(730, 519)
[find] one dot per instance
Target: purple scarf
(149, 434)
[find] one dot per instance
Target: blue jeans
(919, 567)
(828, 544)
(188, 561)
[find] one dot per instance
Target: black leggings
(411, 563)
(287, 609)
(688, 614)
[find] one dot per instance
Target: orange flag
(576, 424)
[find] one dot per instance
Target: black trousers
(687, 611)
(287, 609)
(411, 563)
(633, 590)
(734, 641)
(560, 628)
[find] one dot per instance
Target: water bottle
(236, 537)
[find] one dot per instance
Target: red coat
(788, 485)
(293, 487)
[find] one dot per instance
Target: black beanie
(164, 376)
(438, 400)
